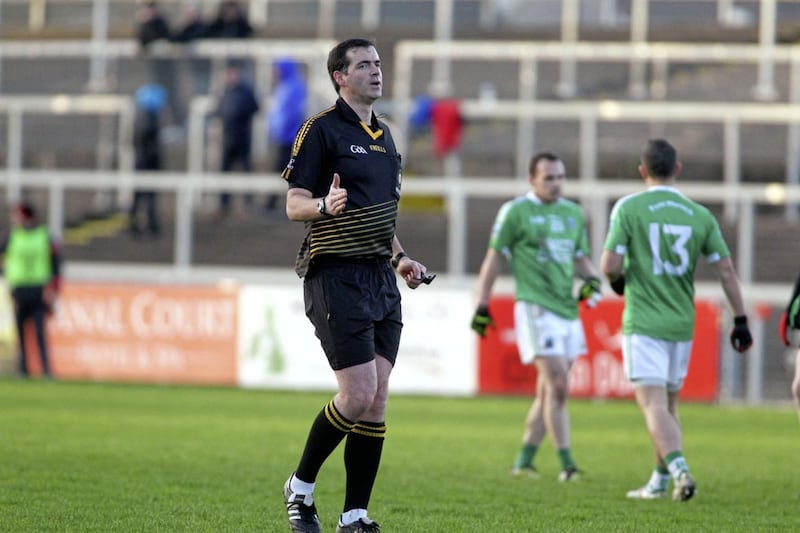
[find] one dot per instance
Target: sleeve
(617, 238)
(308, 154)
(502, 236)
(795, 294)
(715, 247)
(582, 248)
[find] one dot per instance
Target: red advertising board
(599, 374)
(145, 333)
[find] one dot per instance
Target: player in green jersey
(654, 241)
(543, 237)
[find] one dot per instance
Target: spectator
(150, 101)
(191, 29)
(286, 114)
(236, 107)
(153, 30)
(230, 22)
(32, 268)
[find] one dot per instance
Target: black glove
(618, 284)
(741, 339)
(482, 320)
(590, 291)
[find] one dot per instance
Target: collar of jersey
(350, 115)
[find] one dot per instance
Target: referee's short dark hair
(546, 156)
(338, 60)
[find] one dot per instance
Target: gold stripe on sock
(336, 419)
(377, 431)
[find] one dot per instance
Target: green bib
(27, 257)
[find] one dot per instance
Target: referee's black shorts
(355, 310)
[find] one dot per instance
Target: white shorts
(543, 333)
(650, 361)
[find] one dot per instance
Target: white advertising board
(278, 349)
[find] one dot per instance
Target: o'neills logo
(377, 148)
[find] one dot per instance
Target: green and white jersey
(541, 242)
(662, 234)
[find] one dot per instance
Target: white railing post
(326, 23)
(731, 170)
(526, 128)
(14, 155)
(793, 136)
(765, 90)
(457, 234)
(55, 208)
(184, 199)
(588, 148)
(443, 33)
(639, 22)
(755, 362)
(97, 68)
(570, 23)
(745, 241)
(370, 14)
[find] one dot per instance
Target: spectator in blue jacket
(286, 114)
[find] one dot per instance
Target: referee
(344, 184)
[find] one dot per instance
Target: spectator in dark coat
(230, 23)
(147, 147)
(152, 28)
(236, 108)
(191, 29)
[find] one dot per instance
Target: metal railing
(527, 107)
(456, 191)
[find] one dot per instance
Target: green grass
(97, 457)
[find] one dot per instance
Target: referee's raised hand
(336, 200)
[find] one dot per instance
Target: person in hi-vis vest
(32, 268)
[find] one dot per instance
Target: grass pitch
(101, 457)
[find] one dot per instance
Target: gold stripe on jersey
(301, 136)
(374, 134)
(365, 232)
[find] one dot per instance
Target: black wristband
(740, 320)
(396, 259)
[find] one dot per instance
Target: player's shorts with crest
(543, 333)
(649, 361)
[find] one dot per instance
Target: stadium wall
(257, 336)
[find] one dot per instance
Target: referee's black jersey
(365, 157)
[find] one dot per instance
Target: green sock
(663, 470)
(525, 455)
(565, 454)
(676, 463)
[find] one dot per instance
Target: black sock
(327, 431)
(362, 456)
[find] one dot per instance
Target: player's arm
(490, 269)
(740, 336)
(611, 263)
(591, 290)
(730, 285)
(412, 271)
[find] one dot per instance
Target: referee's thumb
(335, 182)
